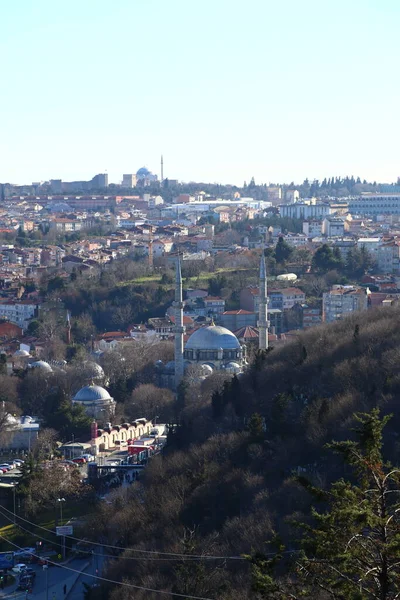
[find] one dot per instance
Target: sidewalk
(56, 591)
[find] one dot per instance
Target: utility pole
(46, 568)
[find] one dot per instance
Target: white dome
(212, 338)
(206, 370)
(93, 369)
(41, 364)
(21, 353)
(92, 393)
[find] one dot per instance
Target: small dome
(233, 367)
(92, 393)
(93, 369)
(21, 353)
(41, 364)
(212, 338)
(206, 370)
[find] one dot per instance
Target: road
(56, 577)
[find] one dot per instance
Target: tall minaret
(68, 328)
(179, 328)
(263, 323)
(162, 168)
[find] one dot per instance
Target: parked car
(19, 462)
(5, 466)
(3, 470)
(19, 568)
(79, 461)
(88, 457)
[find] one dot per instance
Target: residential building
(214, 305)
(343, 300)
(333, 226)
(19, 313)
(236, 319)
(388, 257)
(312, 228)
(375, 204)
(303, 210)
(129, 180)
(312, 316)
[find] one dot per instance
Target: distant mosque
(212, 348)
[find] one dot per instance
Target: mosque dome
(42, 365)
(233, 367)
(92, 394)
(21, 353)
(142, 172)
(93, 370)
(213, 337)
(206, 370)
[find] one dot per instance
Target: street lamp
(61, 500)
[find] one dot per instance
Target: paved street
(57, 578)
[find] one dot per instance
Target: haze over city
(225, 90)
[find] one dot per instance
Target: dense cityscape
(138, 320)
(199, 300)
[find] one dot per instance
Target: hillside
(223, 488)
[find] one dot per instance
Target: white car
(19, 568)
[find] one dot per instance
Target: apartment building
(19, 313)
(342, 300)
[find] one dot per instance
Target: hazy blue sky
(225, 89)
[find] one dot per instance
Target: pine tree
(352, 550)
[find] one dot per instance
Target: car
(19, 462)
(4, 466)
(88, 457)
(3, 470)
(19, 568)
(25, 582)
(79, 461)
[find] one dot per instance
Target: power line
(196, 556)
(188, 557)
(106, 580)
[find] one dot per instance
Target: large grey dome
(212, 338)
(92, 393)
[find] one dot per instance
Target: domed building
(215, 347)
(96, 401)
(41, 365)
(144, 176)
(210, 348)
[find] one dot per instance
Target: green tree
(352, 548)
(283, 251)
(325, 259)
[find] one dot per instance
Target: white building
(333, 226)
(312, 228)
(388, 257)
(375, 204)
(304, 210)
(343, 300)
(19, 313)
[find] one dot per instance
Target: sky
(226, 90)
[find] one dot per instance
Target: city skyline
(281, 93)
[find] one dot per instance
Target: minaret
(263, 323)
(68, 332)
(179, 328)
(162, 168)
